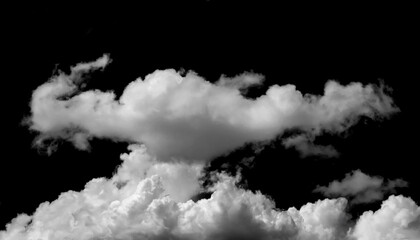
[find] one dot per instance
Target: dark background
(302, 44)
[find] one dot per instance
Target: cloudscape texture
(175, 123)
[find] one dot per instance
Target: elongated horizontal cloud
(361, 188)
(306, 147)
(242, 81)
(188, 118)
(137, 203)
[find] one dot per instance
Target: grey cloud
(305, 146)
(361, 188)
(242, 81)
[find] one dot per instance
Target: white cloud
(179, 180)
(186, 117)
(144, 208)
(108, 205)
(99, 63)
(397, 219)
(361, 188)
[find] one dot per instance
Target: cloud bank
(139, 203)
(361, 188)
(190, 119)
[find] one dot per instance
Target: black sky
(305, 45)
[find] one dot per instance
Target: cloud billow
(149, 206)
(190, 119)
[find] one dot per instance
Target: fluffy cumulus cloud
(170, 112)
(397, 219)
(361, 188)
(138, 202)
(141, 192)
(188, 121)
